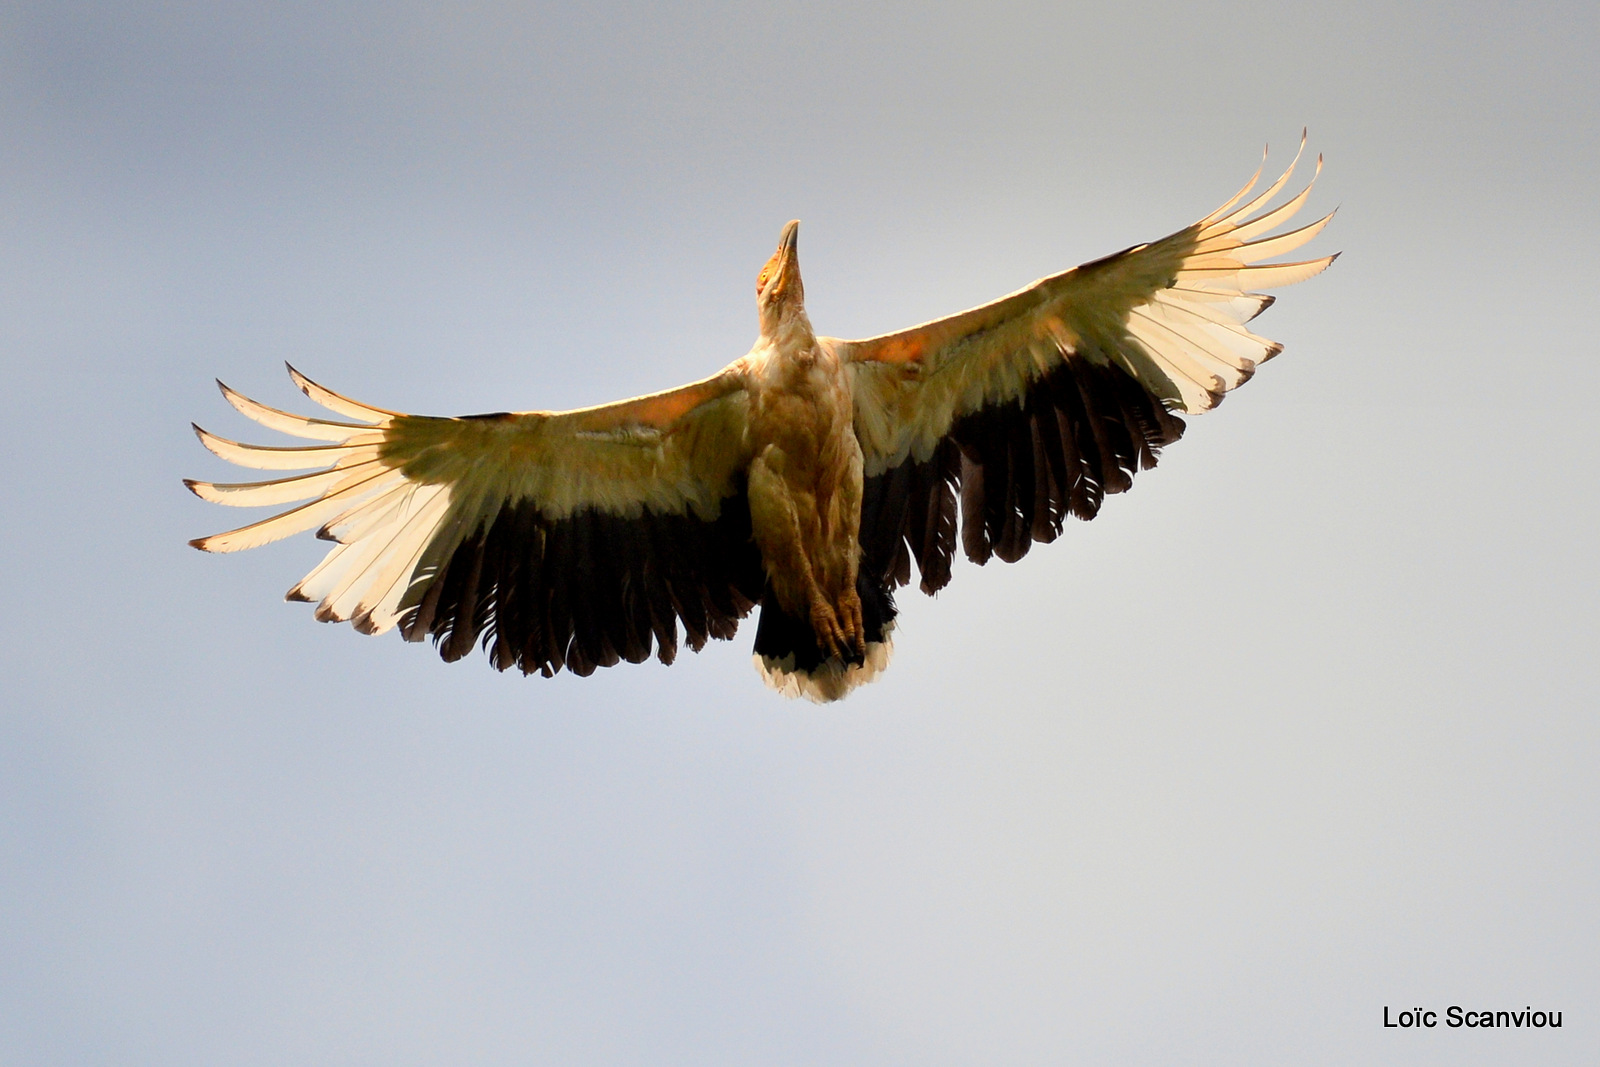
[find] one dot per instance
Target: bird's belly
(805, 495)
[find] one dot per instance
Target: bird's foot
(843, 638)
(856, 624)
(832, 637)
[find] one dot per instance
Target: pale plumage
(804, 477)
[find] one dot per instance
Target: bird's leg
(831, 635)
(854, 626)
(846, 611)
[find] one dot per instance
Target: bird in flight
(804, 478)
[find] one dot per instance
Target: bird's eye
(761, 280)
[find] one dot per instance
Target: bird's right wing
(571, 538)
(1036, 405)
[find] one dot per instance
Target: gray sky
(1303, 726)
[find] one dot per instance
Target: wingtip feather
(341, 405)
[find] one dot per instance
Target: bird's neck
(789, 333)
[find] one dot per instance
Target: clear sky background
(1303, 726)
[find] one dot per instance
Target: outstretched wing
(1038, 404)
(571, 538)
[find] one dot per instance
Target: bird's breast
(801, 404)
(803, 393)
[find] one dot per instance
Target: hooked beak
(788, 248)
(782, 272)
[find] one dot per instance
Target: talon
(857, 634)
(825, 624)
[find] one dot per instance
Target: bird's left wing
(1038, 404)
(571, 538)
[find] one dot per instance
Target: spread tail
(790, 661)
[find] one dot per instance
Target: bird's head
(779, 294)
